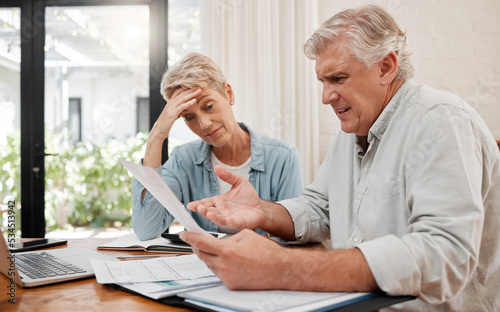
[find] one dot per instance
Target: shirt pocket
(387, 190)
(387, 214)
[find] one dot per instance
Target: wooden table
(81, 295)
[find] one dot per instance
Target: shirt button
(359, 196)
(356, 239)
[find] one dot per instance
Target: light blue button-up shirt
(274, 173)
(422, 202)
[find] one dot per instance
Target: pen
(146, 256)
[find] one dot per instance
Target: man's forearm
(278, 221)
(320, 270)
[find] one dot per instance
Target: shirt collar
(378, 128)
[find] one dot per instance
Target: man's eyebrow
(334, 74)
(331, 74)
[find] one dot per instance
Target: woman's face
(211, 117)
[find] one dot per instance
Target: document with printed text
(151, 270)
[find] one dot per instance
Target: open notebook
(158, 244)
(36, 268)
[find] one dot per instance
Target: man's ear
(230, 93)
(388, 68)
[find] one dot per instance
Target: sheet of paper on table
(151, 270)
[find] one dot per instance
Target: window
(81, 76)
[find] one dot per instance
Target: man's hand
(245, 260)
(240, 208)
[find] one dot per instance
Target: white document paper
(157, 290)
(153, 182)
(155, 287)
(220, 298)
(151, 270)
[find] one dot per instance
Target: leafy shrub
(85, 184)
(10, 181)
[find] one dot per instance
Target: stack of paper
(157, 290)
(156, 278)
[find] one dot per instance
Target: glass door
(96, 105)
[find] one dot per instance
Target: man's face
(353, 90)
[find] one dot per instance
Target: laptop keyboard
(42, 264)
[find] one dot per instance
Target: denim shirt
(274, 173)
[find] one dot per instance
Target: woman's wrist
(152, 157)
(157, 137)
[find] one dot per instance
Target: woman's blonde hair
(371, 33)
(194, 70)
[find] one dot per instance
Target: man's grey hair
(371, 33)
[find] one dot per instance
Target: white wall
(455, 45)
(108, 105)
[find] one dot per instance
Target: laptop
(43, 267)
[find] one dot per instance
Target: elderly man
(409, 193)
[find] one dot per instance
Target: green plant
(89, 186)
(85, 184)
(10, 177)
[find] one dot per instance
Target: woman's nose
(205, 122)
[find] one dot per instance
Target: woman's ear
(388, 68)
(230, 93)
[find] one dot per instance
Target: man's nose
(329, 94)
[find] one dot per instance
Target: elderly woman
(197, 91)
